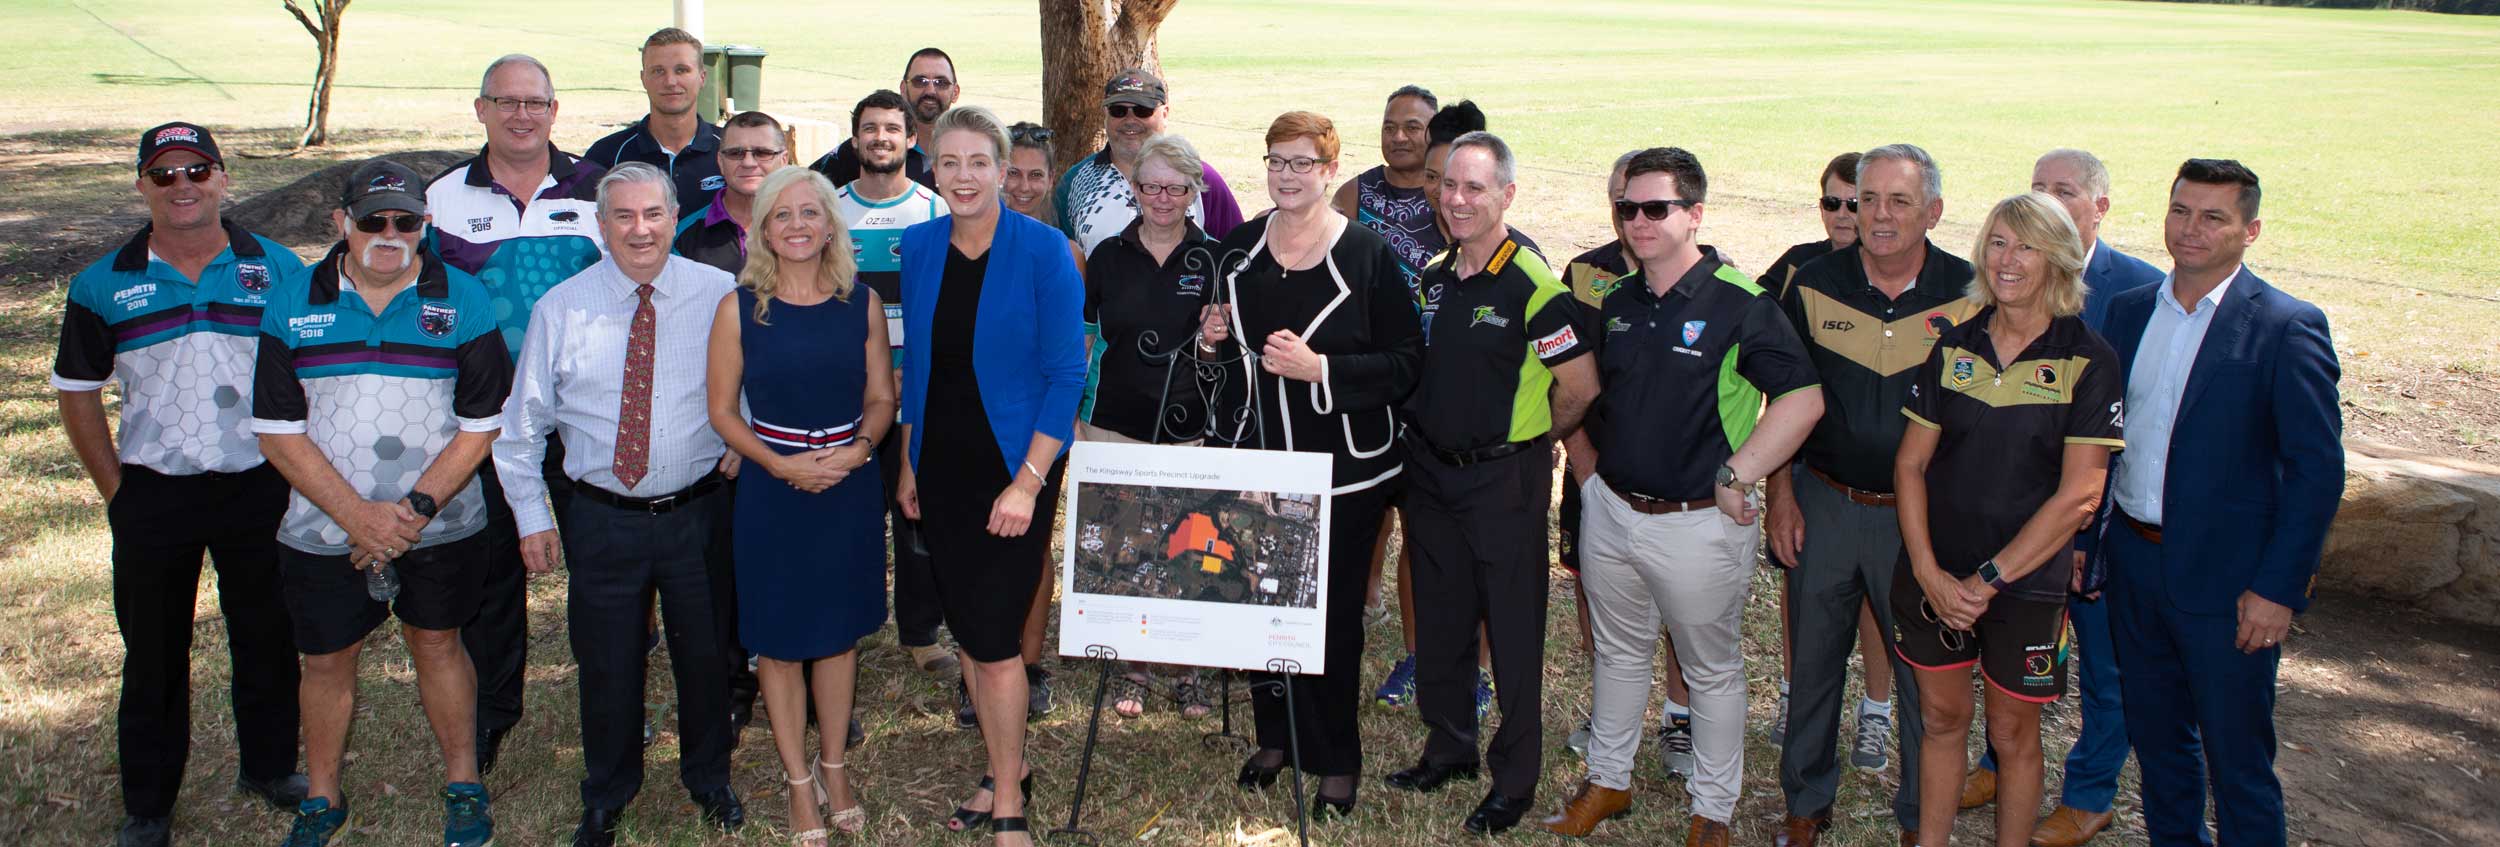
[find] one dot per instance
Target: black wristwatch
(1727, 476)
(1988, 574)
(423, 504)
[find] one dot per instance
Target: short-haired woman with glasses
(2016, 412)
(1325, 307)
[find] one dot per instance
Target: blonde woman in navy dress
(805, 346)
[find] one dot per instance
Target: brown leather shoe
(1800, 832)
(1588, 806)
(1909, 838)
(1705, 832)
(2069, 827)
(1979, 788)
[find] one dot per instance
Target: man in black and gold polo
(1869, 313)
(1480, 427)
(1690, 349)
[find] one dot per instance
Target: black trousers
(916, 610)
(1480, 556)
(1325, 705)
(498, 639)
(617, 559)
(161, 524)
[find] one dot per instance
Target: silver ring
(390, 551)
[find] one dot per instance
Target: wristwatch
(1727, 476)
(423, 504)
(1988, 574)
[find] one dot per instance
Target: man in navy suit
(2077, 180)
(2233, 470)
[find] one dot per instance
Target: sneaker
(1872, 748)
(1779, 723)
(1484, 694)
(1675, 746)
(1037, 691)
(467, 821)
(316, 824)
(1398, 691)
(965, 717)
(1579, 741)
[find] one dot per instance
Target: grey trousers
(1848, 560)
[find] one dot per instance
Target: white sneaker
(1579, 741)
(1675, 747)
(1872, 748)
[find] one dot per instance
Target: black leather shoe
(145, 832)
(286, 792)
(1497, 813)
(1324, 807)
(598, 828)
(1426, 776)
(1255, 776)
(488, 746)
(722, 809)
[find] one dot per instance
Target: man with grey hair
(613, 363)
(1868, 313)
(2077, 180)
(1502, 376)
(518, 216)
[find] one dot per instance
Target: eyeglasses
(1031, 134)
(1951, 638)
(931, 82)
(767, 154)
(196, 171)
(1833, 204)
(406, 224)
(533, 107)
(1129, 110)
(1656, 210)
(1299, 164)
(1158, 189)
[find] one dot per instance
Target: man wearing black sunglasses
(1093, 199)
(672, 137)
(170, 315)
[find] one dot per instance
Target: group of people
(711, 384)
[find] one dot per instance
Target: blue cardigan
(1028, 343)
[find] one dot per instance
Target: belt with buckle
(1476, 456)
(1648, 505)
(1859, 496)
(660, 505)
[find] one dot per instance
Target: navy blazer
(1028, 342)
(2256, 466)
(2110, 274)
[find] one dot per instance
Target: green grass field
(2363, 124)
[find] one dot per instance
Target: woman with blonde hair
(805, 346)
(2016, 412)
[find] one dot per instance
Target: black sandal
(964, 820)
(1002, 826)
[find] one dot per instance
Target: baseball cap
(177, 136)
(383, 185)
(1136, 86)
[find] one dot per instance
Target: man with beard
(370, 533)
(671, 137)
(168, 315)
(1094, 200)
(929, 79)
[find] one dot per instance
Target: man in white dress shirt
(613, 362)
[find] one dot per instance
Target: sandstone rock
(2420, 529)
(298, 214)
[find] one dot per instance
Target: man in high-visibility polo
(1481, 428)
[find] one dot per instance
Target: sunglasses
(1032, 134)
(1656, 210)
(406, 224)
(932, 82)
(197, 171)
(1951, 638)
(1129, 110)
(1833, 204)
(740, 153)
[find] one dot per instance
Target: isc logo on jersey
(1562, 339)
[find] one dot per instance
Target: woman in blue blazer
(993, 365)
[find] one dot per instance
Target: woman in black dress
(993, 366)
(1337, 342)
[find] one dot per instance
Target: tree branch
(301, 18)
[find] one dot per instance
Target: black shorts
(2019, 644)
(439, 588)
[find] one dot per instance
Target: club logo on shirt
(437, 319)
(1965, 369)
(1192, 284)
(1937, 323)
(1562, 339)
(253, 276)
(2043, 382)
(564, 216)
(1484, 315)
(1615, 325)
(712, 183)
(1692, 331)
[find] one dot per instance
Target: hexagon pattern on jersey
(187, 405)
(380, 432)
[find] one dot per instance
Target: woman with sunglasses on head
(993, 369)
(2015, 414)
(1029, 182)
(1325, 307)
(801, 347)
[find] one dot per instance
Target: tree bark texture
(1084, 42)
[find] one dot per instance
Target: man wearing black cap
(1094, 200)
(171, 316)
(382, 450)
